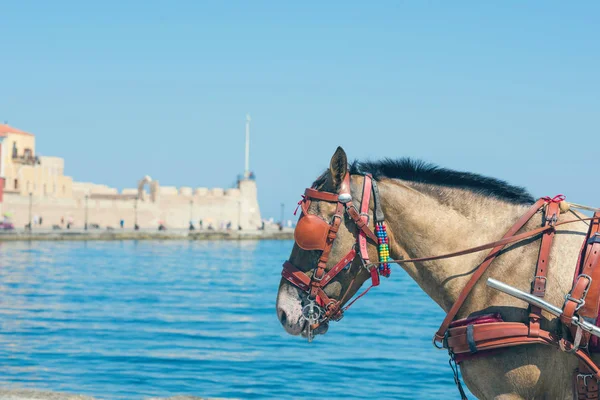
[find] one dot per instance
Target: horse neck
(425, 220)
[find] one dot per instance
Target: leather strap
(585, 383)
(538, 286)
(586, 289)
(499, 243)
(324, 196)
(539, 280)
(320, 269)
(295, 276)
(497, 335)
(590, 267)
(364, 215)
(439, 336)
(575, 299)
(378, 212)
(362, 225)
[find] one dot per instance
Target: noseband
(313, 233)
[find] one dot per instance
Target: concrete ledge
(72, 235)
(31, 394)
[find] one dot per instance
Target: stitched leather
(482, 268)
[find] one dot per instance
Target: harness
(471, 337)
(313, 233)
(475, 337)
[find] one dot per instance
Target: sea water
(137, 319)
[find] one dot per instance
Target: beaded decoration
(384, 249)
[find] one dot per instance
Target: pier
(145, 234)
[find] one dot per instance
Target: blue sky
(124, 89)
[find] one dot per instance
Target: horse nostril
(283, 318)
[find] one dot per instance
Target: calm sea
(129, 320)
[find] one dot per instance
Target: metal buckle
(584, 377)
(587, 288)
(442, 343)
(580, 302)
(366, 215)
(336, 215)
(594, 239)
(552, 220)
(314, 277)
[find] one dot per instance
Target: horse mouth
(321, 329)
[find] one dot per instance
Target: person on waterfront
(229, 225)
(62, 220)
(200, 224)
(40, 220)
(122, 222)
(35, 219)
(192, 226)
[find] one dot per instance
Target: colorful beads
(384, 249)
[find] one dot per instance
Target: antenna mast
(247, 168)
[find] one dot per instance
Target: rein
(501, 242)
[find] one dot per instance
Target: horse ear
(338, 167)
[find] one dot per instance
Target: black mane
(423, 172)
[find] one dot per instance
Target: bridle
(314, 233)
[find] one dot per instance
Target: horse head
(333, 245)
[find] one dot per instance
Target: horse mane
(418, 171)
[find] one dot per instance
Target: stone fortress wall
(36, 186)
(173, 207)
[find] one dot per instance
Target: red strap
(538, 287)
(347, 259)
(364, 215)
(302, 281)
(358, 297)
(299, 203)
(295, 276)
(325, 196)
(539, 279)
(556, 199)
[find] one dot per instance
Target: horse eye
(347, 266)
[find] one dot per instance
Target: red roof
(4, 129)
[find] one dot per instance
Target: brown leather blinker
(311, 232)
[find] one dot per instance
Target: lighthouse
(247, 158)
(248, 210)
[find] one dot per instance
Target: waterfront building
(36, 186)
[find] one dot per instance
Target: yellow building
(25, 172)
